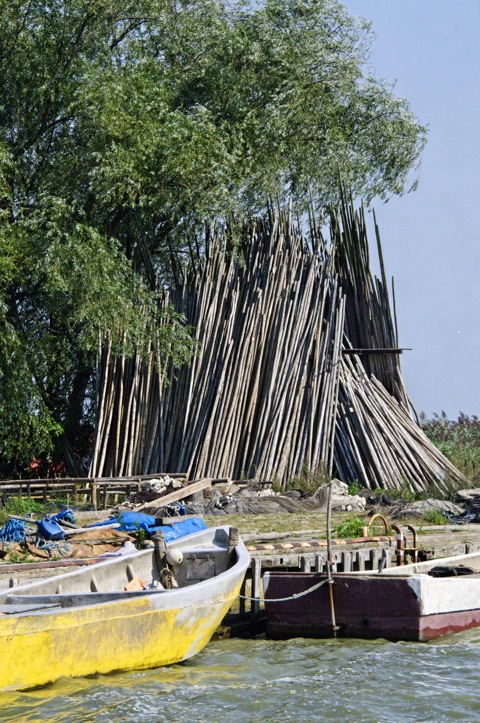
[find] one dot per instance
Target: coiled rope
(13, 531)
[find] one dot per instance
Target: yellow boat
(93, 620)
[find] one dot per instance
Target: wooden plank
(177, 495)
(256, 565)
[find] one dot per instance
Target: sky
(431, 237)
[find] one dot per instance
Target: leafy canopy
(126, 126)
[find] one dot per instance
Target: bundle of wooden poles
(279, 382)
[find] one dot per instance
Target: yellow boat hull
(128, 635)
(52, 628)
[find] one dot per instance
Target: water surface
(258, 680)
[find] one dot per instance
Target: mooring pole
(335, 627)
(160, 550)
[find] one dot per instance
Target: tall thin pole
(335, 627)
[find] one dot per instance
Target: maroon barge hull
(414, 608)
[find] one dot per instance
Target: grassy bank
(313, 525)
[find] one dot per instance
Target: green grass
(309, 480)
(434, 517)
(22, 506)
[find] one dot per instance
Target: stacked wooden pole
(272, 388)
(368, 318)
(257, 399)
(377, 442)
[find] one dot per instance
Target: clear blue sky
(431, 237)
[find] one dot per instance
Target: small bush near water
(458, 440)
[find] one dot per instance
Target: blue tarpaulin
(134, 521)
(180, 529)
(131, 521)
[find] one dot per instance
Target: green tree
(126, 129)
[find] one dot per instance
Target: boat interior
(154, 570)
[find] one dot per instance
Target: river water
(261, 680)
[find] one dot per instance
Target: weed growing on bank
(308, 480)
(351, 527)
(434, 517)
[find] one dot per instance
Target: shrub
(458, 440)
(354, 488)
(404, 492)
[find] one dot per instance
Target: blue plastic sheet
(131, 521)
(180, 529)
(66, 515)
(134, 521)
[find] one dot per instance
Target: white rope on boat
(284, 599)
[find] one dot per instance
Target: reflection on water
(297, 680)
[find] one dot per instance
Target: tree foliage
(126, 127)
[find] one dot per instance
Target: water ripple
(276, 682)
